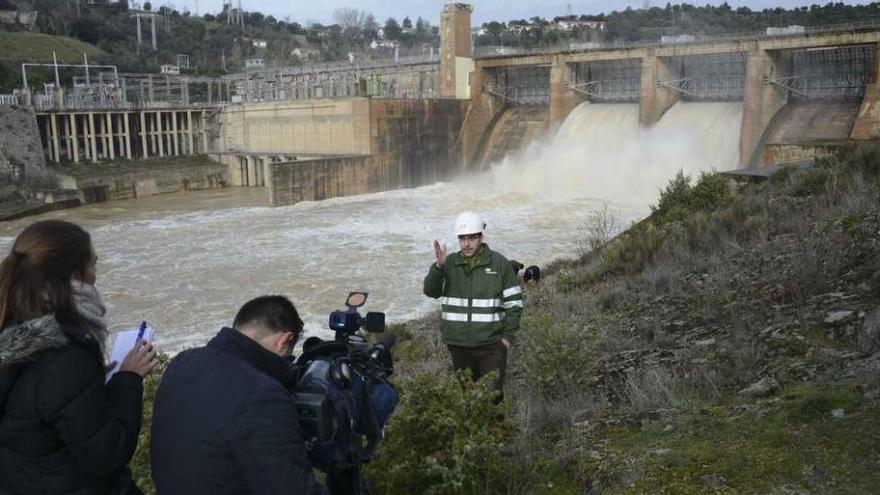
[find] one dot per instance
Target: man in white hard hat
(481, 298)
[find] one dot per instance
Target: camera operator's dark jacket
(62, 430)
(482, 302)
(224, 423)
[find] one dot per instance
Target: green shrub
(782, 176)
(635, 250)
(679, 198)
(864, 158)
(811, 182)
(140, 464)
(557, 355)
(710, 192)
(446, 438)
(674, 200)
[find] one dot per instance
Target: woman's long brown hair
(35, 276)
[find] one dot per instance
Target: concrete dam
(794, 92)
(780, 98)
(696, 107)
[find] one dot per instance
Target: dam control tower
(456, 50)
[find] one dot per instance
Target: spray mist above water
(186, 262)
(601, 151)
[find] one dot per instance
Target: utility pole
(86, 63)
(168, 17)
(153, 26)
(140, 38)
(57, 79)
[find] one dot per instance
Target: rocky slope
(728, 344)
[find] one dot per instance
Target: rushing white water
(185, 263)
(602, 151)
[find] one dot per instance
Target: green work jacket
(480, 304)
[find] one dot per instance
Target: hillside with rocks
(730, 343)
(24, 177)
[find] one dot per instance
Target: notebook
(123, 343)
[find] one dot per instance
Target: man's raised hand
(440, 253)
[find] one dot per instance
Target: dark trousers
(481, 361)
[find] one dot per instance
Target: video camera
(347, 323)
(342, 393)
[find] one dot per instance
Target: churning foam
(601, 151)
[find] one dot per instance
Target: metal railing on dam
(75, 103)
(346, 66)
(495, 51)
(400, 77)
(9, 100)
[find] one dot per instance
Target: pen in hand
(141, 331)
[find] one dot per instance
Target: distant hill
(38, 47)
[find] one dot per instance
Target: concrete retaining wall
(312, 180)
(315, 127)
(779, 154)
(150, 182)
(21, 153)
(412, 143)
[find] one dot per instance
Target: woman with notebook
(62, 429)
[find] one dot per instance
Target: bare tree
(598, 228)
(350, 19)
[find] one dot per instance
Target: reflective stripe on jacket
(480, 305)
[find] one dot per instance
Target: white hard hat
(469, 223)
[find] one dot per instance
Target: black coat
(224, 423)
(62, 430)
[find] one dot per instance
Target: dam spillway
(601, 150)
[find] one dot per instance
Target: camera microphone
(374, 322)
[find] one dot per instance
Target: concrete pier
(73, 136)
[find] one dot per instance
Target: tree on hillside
(423, 26)
(392, 29)
(370, 25)
(407, 23)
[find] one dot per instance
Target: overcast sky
(484, 10)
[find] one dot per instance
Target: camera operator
(224, 421)
(481, 298)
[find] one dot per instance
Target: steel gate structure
(839, 73)
(617, 81)
(523, 85)
(714, 77)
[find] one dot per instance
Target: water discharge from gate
(185, 263)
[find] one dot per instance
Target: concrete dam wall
(772, 78)
(797, 127)
(515, 128)
(324, 149)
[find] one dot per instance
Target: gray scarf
(91, 309)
